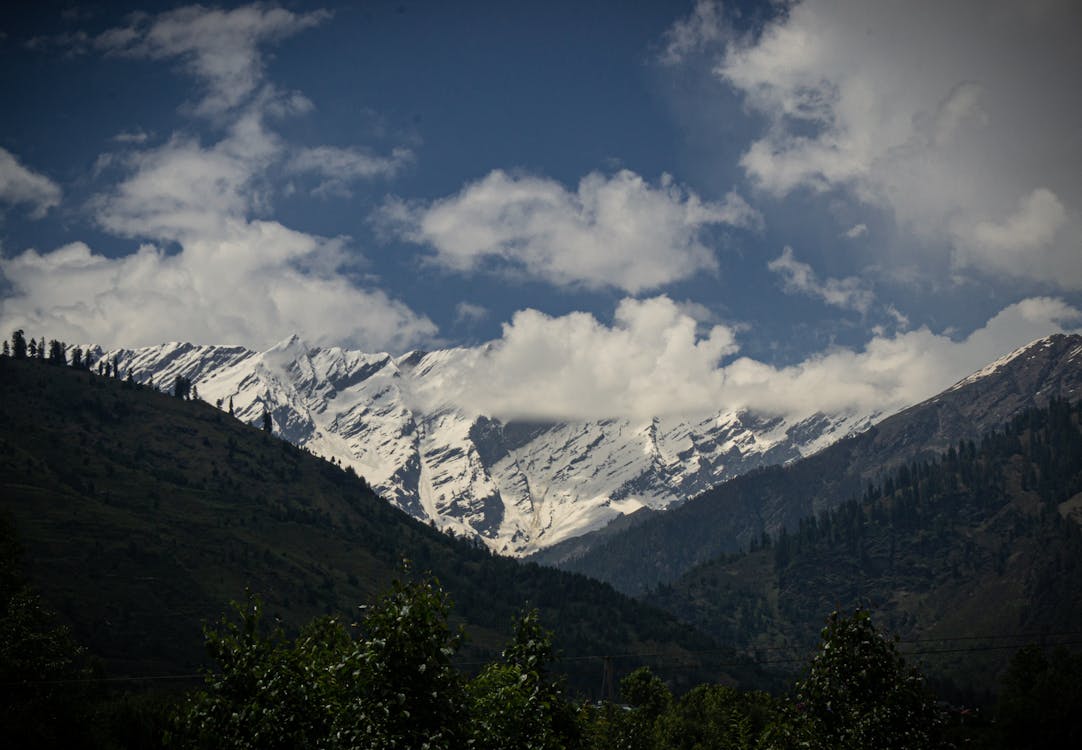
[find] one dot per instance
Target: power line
(673, 657)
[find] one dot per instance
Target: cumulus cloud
(652, 360)
(235, 278)
(221, 48)
(22, 186)
(617, 231)
(339, 167)
(252, 282)
(950, 115)
(211, 268)
(849, 293)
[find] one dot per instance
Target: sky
(618, 209)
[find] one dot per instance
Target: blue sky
(761, 203)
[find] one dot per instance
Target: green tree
(393, 687)
(43, 700)
(266, 692)
(1039, 700)
(717, 717)
(18, 344)
(403, 691)
(268, 425)
(518, 703)
(57, 354)
(859, 693)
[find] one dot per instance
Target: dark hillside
(730, 516)
(142, 515)
(982, 546)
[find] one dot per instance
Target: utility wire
(681, 656)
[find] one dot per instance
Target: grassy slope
(143, 515)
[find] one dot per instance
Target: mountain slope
(984, 541)
(143, 514)
(517, 487)
(729, 517)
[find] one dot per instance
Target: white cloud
(211, 268)
(649, 361)
(138, 137)
(1019, 238)
(705, 26)
(615, 231)
(652, 362)
(468, 312)
(252, 282)
(951, 115)
(856, 231)
(341, 166)
(219, 47)
(849, 293)
(21, 186)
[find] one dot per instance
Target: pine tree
(18, 344)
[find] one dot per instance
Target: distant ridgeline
(142, 515)
(976, 551)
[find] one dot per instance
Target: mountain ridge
(517, 486)
(732, 515)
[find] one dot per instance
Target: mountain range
(523, 487)
(517, 486)
(731, 516)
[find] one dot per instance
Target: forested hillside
(143, 514)
(731, 516)
(977, 548)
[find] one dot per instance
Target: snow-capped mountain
(519, 487)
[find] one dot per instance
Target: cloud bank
(650, 361)
(960, 118)
(617, 231)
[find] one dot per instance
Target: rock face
(521, 487)
(518, 487)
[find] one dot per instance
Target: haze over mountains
(520, 487)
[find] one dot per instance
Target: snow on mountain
(517, 486)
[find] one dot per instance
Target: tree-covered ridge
(142, 514)
(727, 518)
(985, 541)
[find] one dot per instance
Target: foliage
(267, 692)
(717, 716)
(401, 690)
(1038, 706)
(394, 687)
(518, 703)
(859, 693)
